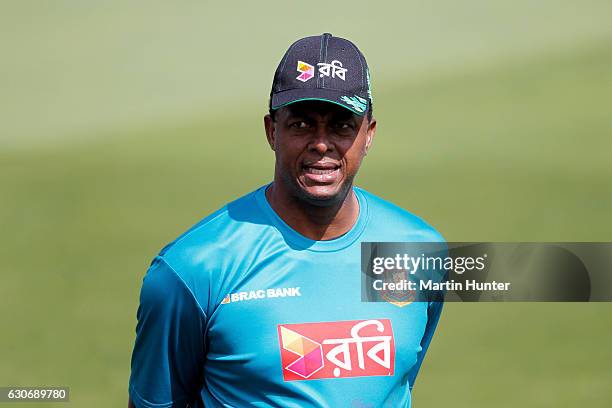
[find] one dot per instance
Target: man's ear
(270, 129)
(370, 134)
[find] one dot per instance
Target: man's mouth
(326, 173)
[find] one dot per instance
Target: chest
(301, 320)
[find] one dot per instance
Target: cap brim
(339, 98)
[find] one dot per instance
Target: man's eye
(299, 124)
(344, 126)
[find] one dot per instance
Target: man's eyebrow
(295, 113)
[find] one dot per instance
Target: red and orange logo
(306, 71)
(354, 348)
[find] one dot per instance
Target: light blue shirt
(242, 310)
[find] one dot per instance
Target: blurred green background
(123, 123)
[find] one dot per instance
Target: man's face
(319, 147)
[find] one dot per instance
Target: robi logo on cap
(306, 71)
(333, 70)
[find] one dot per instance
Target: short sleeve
(168, 356)
(434, 310)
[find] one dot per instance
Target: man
(259, 304)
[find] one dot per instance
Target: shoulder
(211, 254)
(163, 291)
(390, 222)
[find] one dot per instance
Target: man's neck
(315, 222)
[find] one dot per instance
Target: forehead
(318, 108)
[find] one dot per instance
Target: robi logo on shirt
(354, 348)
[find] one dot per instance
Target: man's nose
(321, 139)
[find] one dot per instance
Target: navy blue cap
(324, 68)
